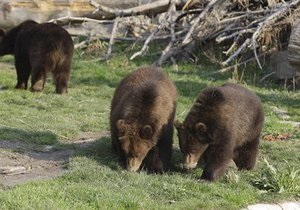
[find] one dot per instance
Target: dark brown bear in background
(224, 123)
(141, 119)
(38, 49)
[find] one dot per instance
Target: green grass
(95, 179)
(281, 181)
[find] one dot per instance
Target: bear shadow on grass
(28, 137)
(101, 152)
(31, 143)
(176, 165)
(35, 145)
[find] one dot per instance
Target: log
(16, 11)
(40, 11)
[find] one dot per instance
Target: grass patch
(285, 181)
(95, 179)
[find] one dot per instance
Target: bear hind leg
(245, 156)
(61, 77)
(38, 78)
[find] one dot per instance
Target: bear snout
(190, 162)
(133, 164)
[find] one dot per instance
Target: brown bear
(39, 49)
(223, 124)
(141, 119)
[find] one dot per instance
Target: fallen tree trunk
(16, 11)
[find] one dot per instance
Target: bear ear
(217, 96)
(146, 132)
(2, 34)
(178, 125)
(200, 128)
(120, 124)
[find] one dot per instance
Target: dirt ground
(20, 163)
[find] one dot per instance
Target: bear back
(147, 96)
(31, 38)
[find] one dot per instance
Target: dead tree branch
(169, 17)
(150, 8)
(67, 19)
(170, 51)
(240, 28)
(113, 33)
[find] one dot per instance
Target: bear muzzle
(133, 164)
(190, 161)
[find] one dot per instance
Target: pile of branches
(246, 29)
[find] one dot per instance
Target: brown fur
(38, 49)
(141, 119)
(224, 123)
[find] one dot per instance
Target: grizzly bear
(39, 49)
(141, 119)
(223, 124)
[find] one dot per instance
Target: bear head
(193, 142)
(136, 141)
(7, 42)
(2, 44)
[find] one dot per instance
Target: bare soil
(20, 163)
